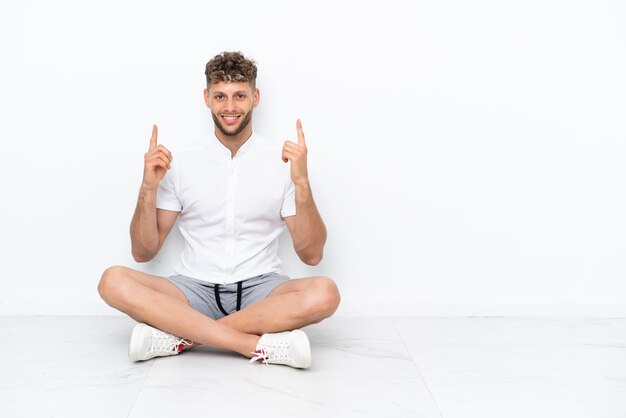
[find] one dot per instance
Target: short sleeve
(167, 197)
(289, 202)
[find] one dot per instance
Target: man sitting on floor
(233, 198)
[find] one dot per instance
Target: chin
(234, 131)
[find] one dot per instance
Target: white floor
(374, 367)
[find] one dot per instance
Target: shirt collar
(242, 150)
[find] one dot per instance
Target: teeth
(230, 117)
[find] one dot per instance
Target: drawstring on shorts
(216, 287)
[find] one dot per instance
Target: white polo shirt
(231, 209)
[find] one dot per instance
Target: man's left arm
(307, 229)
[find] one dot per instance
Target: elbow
(312, 260)
(142, 257)
(143, 252)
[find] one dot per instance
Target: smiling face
(231, 105)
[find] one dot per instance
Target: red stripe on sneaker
(180, 347)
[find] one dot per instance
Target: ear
(257, 97)
(206, 98)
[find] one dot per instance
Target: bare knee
(113, 285)
(322, 299)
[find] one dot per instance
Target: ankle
(250, 346)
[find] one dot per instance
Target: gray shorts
(218, 300)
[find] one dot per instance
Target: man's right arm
(150, 226)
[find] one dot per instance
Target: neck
(234, 142)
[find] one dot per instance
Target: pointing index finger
(300, 133)
(153, 139)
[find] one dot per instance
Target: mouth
(230, 119)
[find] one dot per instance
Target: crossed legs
(157, 302)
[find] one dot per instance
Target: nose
(230, 104)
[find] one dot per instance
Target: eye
(241, 96)
(218, 96)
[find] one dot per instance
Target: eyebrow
(237, 92)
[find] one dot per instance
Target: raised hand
(157, 161)
(296, 154)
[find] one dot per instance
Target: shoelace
(272, 354)
(163, 342)
(260, 355)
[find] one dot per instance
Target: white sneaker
(148, 342)
(291, 348)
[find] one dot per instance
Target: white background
(468, 157)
